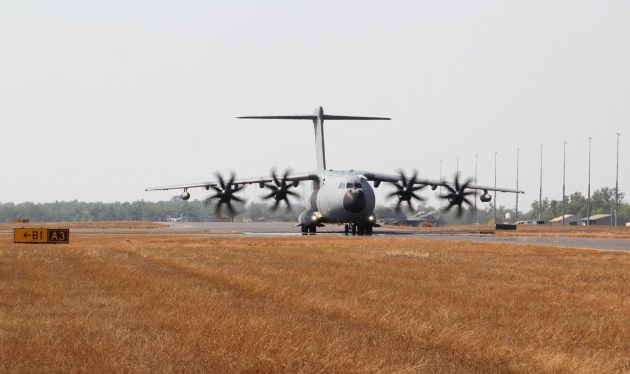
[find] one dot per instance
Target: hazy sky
(100, 99)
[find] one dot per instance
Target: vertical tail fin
(318, 123)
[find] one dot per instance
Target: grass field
(621, 232)
(310, 304)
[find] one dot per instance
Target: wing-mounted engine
(457, 195)
(185, 195)
(225, 193)
(279, 190)
(406, 190)
(485, 197)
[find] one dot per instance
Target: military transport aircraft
(336, 197)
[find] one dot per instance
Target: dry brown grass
(621, 232)
(575, 231)
(310, 304)
(87, 225)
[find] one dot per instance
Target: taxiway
(279, 229)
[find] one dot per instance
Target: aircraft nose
(354, 201)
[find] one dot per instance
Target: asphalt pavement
(280, 229)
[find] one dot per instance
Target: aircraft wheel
(347, 229)
(312, 230)
(361, 230)
(354, 229)
(368, 230)
(304, 230)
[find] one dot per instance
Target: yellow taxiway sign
(41, 235)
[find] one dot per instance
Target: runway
(280, 229)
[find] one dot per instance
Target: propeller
(279, 190)
(225, 193)
(458, 196)
(406, 191)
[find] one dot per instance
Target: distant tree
(546, 209)
(603, 200)
(577, 204)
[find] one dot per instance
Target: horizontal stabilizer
(318, 119)
(310, 116)
(313, 117)
(330, 116)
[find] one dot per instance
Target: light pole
(516, 209)
(495, 187)
(540, 191)
(564, 168)
(476, 159)
(617, 184)
(440, 174)
(588, 202)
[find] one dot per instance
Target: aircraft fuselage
(340, 197)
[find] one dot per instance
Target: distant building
(604, 220)
(569, 219)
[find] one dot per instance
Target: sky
(100, 99)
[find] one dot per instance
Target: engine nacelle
(185, 195)
(486, 197)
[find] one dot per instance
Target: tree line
(176, 208)
(602, 201)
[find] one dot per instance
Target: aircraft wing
(293, 177)
(392, 178)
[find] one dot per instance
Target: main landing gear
(358, 229)
(306, 230)
(354, 228)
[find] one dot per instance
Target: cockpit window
(351, 185)
(341, 186)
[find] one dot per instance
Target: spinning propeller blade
(225, 193)
(279, 190)
(458, 195)
(406, 191)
